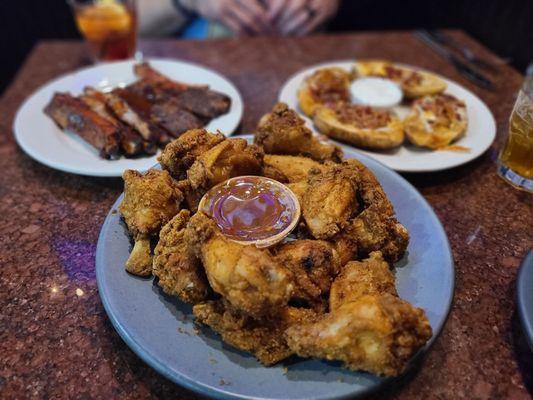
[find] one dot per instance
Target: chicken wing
(290, 169)
(375, 333)
(315, 263)
(346, 204)
(229, 158)
(250, 279)
(359, 278)
(180, 273)
(282, 131)
(150, 201)
(368, 327)
(264, 338)
(180, 154)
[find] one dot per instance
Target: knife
(464, 69)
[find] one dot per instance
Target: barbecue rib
(72, 114)
(130, 141)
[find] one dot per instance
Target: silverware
(469, 56)
(467, 71)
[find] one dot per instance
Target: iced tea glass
(109, 27)
(515, 163)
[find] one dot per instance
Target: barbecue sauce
(252, 209)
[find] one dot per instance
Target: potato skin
(417, 132)
(430, 83)
(384, 138)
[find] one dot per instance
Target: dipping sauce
(376, 92)
(252, 209)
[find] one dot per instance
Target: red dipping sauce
(252, 209)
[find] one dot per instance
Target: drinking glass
(515, 163)
(109, 27)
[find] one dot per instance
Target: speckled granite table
(55, 338)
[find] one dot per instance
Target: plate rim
(525, 307)
(369, 153)
(185, 381)
(15, 126)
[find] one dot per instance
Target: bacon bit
(329, 87)
(404, 76)
(362, 117)
(456, 148)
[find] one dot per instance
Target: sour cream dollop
(376, 92)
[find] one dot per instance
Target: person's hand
(300, 17)
(241, 16)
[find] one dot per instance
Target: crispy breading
(150, 201)
(180, 273)
(250, 279)
(282, 131)
(263, 338)
(180, 154)
(290, 169)
(229, 158)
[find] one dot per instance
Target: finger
(309, 25)
(233, 24)
(245, 19)
(296, 22)
(291, 10)
(275, 8)
(256, 11)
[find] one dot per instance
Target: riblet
(199, 100)
(173, 118)
(130, 141)
(73, 115)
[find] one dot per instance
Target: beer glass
(515, 163)
(109, 27)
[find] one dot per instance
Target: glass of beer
(109, 27)
(515, 163)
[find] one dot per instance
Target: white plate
(407, 158)
(42, 140)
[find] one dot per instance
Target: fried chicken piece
(251, 279)
(347, 205)
(150, 201)
(282, 131)
(368, 326)
(330, 201)
(192, 196)
(359, 278)
(290, 169)
(314, 263)
(376, 227)
(180, 273)
(229, 158)
(263, 338)
(181, 153)
(375, 333)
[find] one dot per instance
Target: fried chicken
(264, 338)
(250, 279)
(378, 334)
(315, 264)
(181, 153)
(359, 278)
(180, 273)
(229, 158)
(347, 205)
(282, 131)
(368, 327)
(150, 201)
(290, 169)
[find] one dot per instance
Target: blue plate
(524, 292)
(161, 330)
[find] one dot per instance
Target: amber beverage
(515, 163)
(109, 26)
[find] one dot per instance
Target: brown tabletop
(55, 338)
